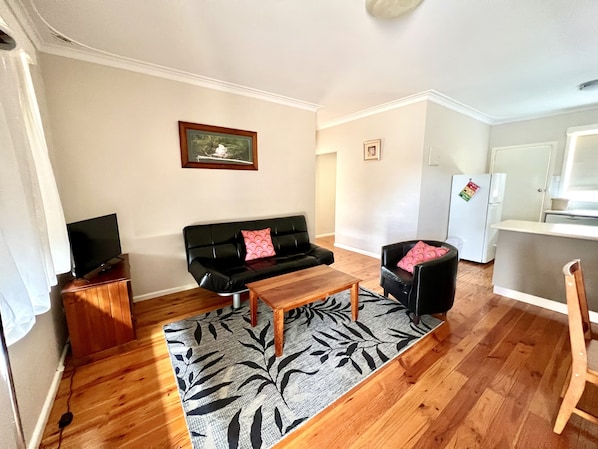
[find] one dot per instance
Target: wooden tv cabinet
(99, 313)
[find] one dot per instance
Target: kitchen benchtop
(550, 229)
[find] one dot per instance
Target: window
(580, 166)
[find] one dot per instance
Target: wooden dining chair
(584, 347)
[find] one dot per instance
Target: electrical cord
(67, 417)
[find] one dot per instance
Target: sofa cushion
(235, 277)
(421, 252)
(258, 244)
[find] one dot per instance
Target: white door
(527, 168)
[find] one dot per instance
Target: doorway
(528, 168)
(325, 194)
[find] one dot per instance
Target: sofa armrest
(208, 277)
(323, 255)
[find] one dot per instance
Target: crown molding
(25, 21)
(89, 54)
(448, 102)
(119, 62)
(429, 95)
(85, 53)
(572, 110)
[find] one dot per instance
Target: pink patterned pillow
(421, 252)
(258, 244)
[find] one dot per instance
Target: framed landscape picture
(371, 150)
(206, 146)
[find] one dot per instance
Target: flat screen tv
(94, 244)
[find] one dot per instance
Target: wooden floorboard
(489, 377)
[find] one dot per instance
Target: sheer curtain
(33, 240)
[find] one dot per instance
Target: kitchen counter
(530, 257)
(549, 229)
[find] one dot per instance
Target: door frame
(549, 170)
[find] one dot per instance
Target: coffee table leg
(278, 331)
(253, 307)
(355, 300)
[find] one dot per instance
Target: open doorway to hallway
(325, 194)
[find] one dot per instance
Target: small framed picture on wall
(371, 150)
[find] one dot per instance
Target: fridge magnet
(469, 191)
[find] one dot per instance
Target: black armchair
(431, 287)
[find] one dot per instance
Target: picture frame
(216, 147)
(371, 149)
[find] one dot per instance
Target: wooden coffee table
(289, 291)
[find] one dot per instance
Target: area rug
(237, 394)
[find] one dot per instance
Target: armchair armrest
(436, 279)
(391, 254)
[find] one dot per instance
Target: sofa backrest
(224, 241)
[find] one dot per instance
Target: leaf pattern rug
(237, 394)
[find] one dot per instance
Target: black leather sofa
(216, 253)
(431, 287)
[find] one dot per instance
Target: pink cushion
(258, 244)
(421, 252)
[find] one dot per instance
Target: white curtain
(33, 240)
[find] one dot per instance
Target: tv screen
(94, 243)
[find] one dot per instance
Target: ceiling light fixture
(589, 85)
(390, 9)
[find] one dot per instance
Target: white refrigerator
(476, 204)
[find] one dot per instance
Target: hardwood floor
(489, 378)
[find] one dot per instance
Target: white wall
(461, 144)
(377, 201)
(117, 150)
(401, 197)
(546, 129)
(35, 360)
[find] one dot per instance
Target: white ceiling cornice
(25, 21)
(89, 55)
(504, 121)
(430, 95)
(443, 100)
(83, 52)
(47, 39)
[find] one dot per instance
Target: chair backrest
(578, 315)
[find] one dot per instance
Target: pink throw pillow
(421, 252)
(258, 244)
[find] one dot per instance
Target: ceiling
(501, 60)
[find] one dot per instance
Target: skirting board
(42, 421)
(324, 235)
(167, 291)
(355, 250)
(537, 301)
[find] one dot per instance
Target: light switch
(434, 157)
